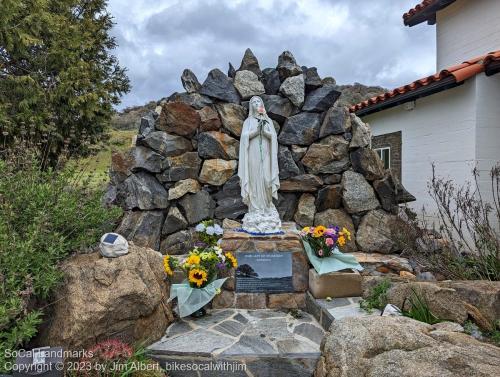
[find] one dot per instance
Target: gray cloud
(354, 41)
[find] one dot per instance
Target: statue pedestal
(273, 271)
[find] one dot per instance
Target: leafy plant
(58, 78)
(114, 358)
(466, 243)
(377, 299)
(44, 216)
(419, 309)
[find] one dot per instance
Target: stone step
(241, 342)
(326, 311)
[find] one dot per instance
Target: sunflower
(166, 265)
(232, 259)
(346, 233)
(319, 231)
(193, 259)
(197, 276)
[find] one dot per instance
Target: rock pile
(183, 168)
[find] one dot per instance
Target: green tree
(58, 78)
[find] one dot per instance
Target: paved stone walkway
(265, 342)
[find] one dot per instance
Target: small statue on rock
(258, 170)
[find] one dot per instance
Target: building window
(389, 148)
(385, 156)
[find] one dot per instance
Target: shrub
(113, 357)
(377, 299)
(466, 245)
(59, 79)
(44, 215)
(419, 309)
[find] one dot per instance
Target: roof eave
(424, 91)
(427, 14)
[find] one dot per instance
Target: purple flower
(200, 244)
(221, 266)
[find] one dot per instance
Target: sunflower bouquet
(203, 265)
(324, 240)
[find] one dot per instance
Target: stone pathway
(241, 342)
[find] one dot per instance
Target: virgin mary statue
(258, 170)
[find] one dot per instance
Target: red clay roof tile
(460, 72)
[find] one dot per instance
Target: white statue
(258, 170)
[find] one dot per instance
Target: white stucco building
(452, 118)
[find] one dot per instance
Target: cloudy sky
(353, 41)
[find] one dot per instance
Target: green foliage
(377, 299)
(44, 215)
(58, 80)
(419, 310)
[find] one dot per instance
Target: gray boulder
(298, 152)
(329, 197)
(386, 192)
(294, 89)
(181, 167)
(217, 85)
(166, 144)
(277, 107)
(197, 207)
(177, 243)
(301, 129)
(337, 121)
(287, 66)
(173, 222)
(321, 99)
(287, 166)
(301, 183)
(230, 207)
(361, 133)
(195, 100)
(232, 117)
(146, 125)
(357, 194)
(329, 156)
(374, 232)
(271, 79)
(304, 216)
(231, 72)
(209, 119)
(190, 81)
(231, 188)
(367, 162)
(401, 346)
(248, 85)
(142, 191)
(287, 205)
(215, 144)
(312, 79)
(135, 160)
(142, 227)
(250, 63)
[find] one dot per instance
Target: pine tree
(58, 78)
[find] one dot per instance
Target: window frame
(381, 149)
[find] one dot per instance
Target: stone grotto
(183, 167)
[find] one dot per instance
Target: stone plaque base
(335, 284)
(290, 241)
